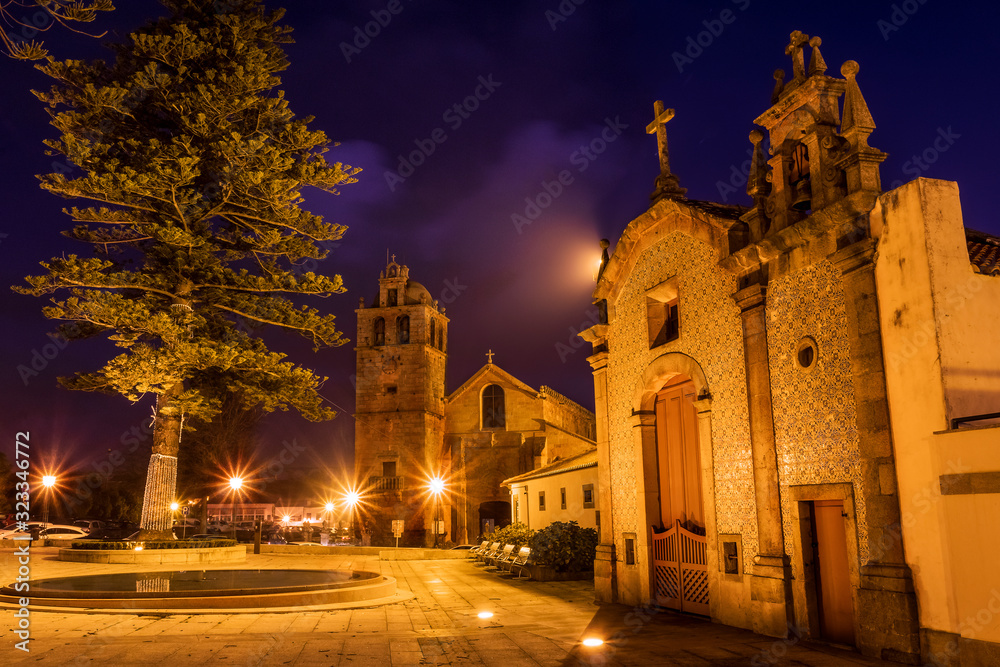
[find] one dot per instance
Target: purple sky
(553, 87)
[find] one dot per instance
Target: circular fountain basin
(198, 589)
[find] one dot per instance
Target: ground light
(593, 641)
(485, 614)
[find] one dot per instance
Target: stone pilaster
(605, 561)
(704, 408)
(887, 605)
(771, 592)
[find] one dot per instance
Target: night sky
(549, 84)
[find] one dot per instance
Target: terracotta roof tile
(984, 252)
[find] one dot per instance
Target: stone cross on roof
(666, 183)
(796, 41)
(489, 357)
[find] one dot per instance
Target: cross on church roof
(489, 357)
(666, 183)
(796, 41)
(659, 128)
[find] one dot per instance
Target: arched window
(391, 298)
(403, 329)
(379, 331)
(441, 338)
(431, 336)
(494, 414)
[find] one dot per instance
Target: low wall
(382, 553)
(155, 556)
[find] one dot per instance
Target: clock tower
(399, 415)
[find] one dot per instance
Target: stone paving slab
(533, 624)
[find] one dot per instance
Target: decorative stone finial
(757, 185)
(856, 113)
(816, 63)
(605, 244)
(779, 85)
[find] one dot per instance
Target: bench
(499, 558)
(489, 551)
(475, 551)
(520, 562)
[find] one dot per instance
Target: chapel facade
(408, 431)
(783, 392)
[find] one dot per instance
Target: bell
(802, 201)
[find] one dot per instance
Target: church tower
(399, 416)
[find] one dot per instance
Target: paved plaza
(432, 622)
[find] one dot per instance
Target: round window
(806, 353)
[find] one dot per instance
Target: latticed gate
(680, 575)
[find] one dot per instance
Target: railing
(964, 420)
(379, 484)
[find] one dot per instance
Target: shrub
(517, 534)
(566, 547)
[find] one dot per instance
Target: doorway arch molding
(660, 371)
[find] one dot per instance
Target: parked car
(12, 530)
(62, 533)
(89, 525)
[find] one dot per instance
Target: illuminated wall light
(485, 614)
(592, 641)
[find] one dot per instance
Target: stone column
(770, 586)
(634, 584)
(707, 463)
(605, 564)
(887, 605)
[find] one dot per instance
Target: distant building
(409, 431)
(797, 402)
(564, 490)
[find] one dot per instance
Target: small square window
(588, 496)
(629, 548)
(541, 501)
(388, 468)
(662, 313)
(562, 498)
(730, 558)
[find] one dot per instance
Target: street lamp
(352, 498)
(436, 486)
(174, 506)
(48, 481)
(235, 484)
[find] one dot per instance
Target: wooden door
(678, 459)
(833, 582)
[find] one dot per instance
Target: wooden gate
(680, 575)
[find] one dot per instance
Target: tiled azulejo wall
(814, 412)
(710, 333)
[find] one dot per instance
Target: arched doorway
(680, 571)
(493, 514)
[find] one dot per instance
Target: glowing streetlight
(352, 498)
(48, 482)
(593, 641)
(436, 486)
(235, 484)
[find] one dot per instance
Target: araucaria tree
(193, 164)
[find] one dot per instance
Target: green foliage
(565, 546)
(517, 534)
(194, 165)
(153, 544)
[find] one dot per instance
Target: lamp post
(352, 498)
(48, 481)
(235, 484)
(436, 486)
(174, 506)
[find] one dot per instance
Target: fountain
(206, 589)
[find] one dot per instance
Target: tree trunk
(161, 477)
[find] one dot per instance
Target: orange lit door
(833, 586)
